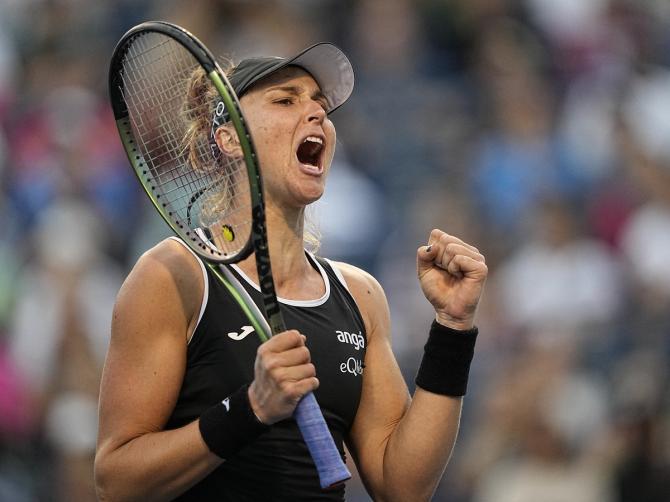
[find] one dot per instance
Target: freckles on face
(293, 136)
(273, 148)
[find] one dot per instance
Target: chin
(308, 198)
(297, 198)
(308, 191)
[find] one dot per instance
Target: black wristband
(445, 366)
(230, 425)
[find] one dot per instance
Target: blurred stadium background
(538, 130)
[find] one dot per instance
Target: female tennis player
(192, 407)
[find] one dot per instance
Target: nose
(315, 112)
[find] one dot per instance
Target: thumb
(425, 257)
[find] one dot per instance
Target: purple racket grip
(315, 432)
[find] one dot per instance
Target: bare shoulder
(369, 295)
(168, 260)
(167, 273)
(358, 280)
(170, 256)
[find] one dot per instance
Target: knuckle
(261, 362)
(271, 364)
(452, 247)
(296, 393)
(294, 336)
(286, 387)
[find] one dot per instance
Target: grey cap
(329, 66)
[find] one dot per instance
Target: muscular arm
(402, 445)
(155, 311)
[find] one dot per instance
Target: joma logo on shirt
(355, 339)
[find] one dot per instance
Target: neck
(285, 229)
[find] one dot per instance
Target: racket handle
(315, 432)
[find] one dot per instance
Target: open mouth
(309, 151)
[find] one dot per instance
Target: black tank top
(220, 359)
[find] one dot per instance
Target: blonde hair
(197, 111)
(311, 235)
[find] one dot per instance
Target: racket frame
(332, 470)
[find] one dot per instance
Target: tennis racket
(166, 91)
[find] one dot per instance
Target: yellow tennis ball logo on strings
(228, 233)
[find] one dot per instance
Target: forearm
(421, 444)
(419, 448)
(401, 446)
(154, 466)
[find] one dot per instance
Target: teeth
(314, 139)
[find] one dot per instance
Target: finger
(466, 265)
(436, 234)
(441, 248)
(448, 247)
(453, 268)
(454, 249)
(283, 341)
(294, 390)
(438, 240)
(292, 357)
(292, 374)
(447, 239)
(306, 386)
(427, 254)
(425, 259)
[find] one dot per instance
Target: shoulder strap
(337, 280)
(205, 292)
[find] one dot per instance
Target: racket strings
(208, 195)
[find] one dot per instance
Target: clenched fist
(452, 274)
(283, 373)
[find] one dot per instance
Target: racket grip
(315, 432)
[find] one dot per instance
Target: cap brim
(329, 66)
(331, 69)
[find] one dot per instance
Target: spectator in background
(519, 158)
(640, 430)
(645, 238)
(351, 216)
(392, 90)
(558, 277)
(59, 335)
(65, 143)
(546, 441)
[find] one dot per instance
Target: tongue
(308, 152)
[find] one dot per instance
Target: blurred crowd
(538, 130)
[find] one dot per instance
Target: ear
(227, 141)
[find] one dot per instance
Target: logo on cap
(220, 117)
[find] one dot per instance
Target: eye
(284, 101)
